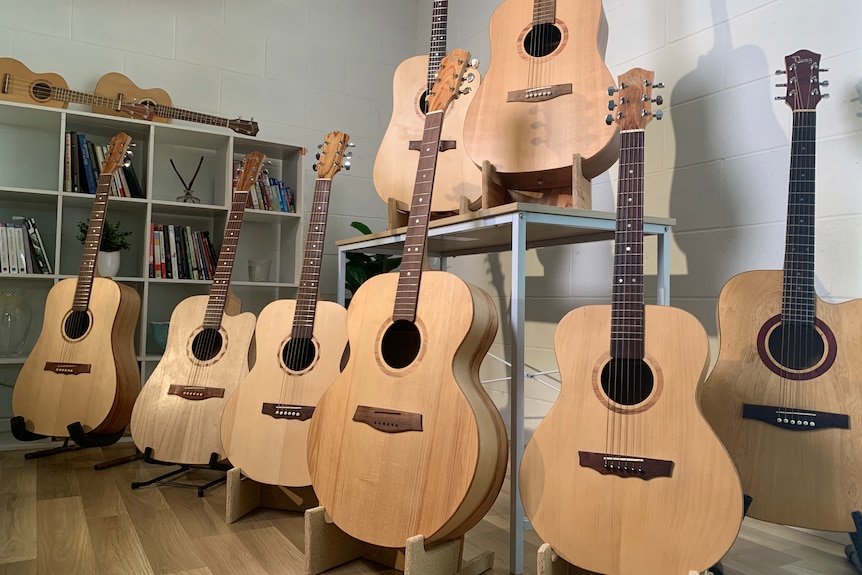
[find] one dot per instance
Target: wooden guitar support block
(549, 563)
(495, 191)
(397, 212)
(327, 546)
(245, 495)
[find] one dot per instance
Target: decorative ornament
(188, 196)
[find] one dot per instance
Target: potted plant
(113, 242)
(361, 266)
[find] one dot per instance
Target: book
(135, 189)
(172, 244)
(4, 250)
(27, 248)
(151, 256)
(67, 163)
(16, 250)
(168, 269)
(42, 258)
(194, 270)
(86, 165)
(76, 163)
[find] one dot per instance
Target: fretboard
(627, 304)
(797, 304)
(544, 12)
(189, 116)
(227, 255)
(66, 95)
(91, 244)
(413, 257)
(439, 26)
(309, 279)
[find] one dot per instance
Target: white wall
(718, 162)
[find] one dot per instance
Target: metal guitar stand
(213, 464)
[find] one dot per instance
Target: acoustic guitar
(156, 101)
(179, 409)
(540, 101)
(624, 475)
(264, 427)
(83, 366)
(784, 395)
(406, 441)
(397, 158)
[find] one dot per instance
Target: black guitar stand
(717, 569)
(854, 550)
(213, 464)
(21, 433)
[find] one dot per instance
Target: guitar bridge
(795, 419)
(195, 392)
(388, 420)
(540, 94)
(66, 368)
(286, 411)
(626, 465)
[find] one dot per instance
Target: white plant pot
(108, 263)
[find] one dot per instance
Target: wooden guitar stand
(549, 563)
(213, 464)
(497, 192)
(244, 495)
(327, 546)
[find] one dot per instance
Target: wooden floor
(58, 516)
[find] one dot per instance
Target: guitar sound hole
(423, 103)
(796, 346)
(41, 91)
(401, 344)
(542, 40)
(298, 354)
(207, 344)
(627, 381)
(77, 324)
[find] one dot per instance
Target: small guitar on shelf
(784, 395)
(83, 369)
(157, 104)
(177, 414)
(624, 475)
(300, 345)
(406, 441)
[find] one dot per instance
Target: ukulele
(264, 427)
(406, 441)
(540, 101)
(784, 395)
(158, 104)
(20, 84)
(398, 155)
(178, 411)
(83, 366)
(624, 475)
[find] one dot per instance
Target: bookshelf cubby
(31, 184)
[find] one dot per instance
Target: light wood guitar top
(186, 431)
(808, 476)
(268, 448)
(616, 524)
(531, 141)
(101, 397)
(383, 487)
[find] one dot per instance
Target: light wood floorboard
(60, 516)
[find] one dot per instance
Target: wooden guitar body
(626, 522)
(102, 394)
(271, 447)
(531, 141)
(116, 86)
(186, 431)
(20, 84)
(419, 449)
(799, 475)
(396, 163)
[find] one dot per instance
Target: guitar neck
(412, 259)
(189, 116)
(72, 96)
(439, 29)
(798, 299)
(544, 12)
(84, 288)
(227, 255)
(627, 307)
(309, 280)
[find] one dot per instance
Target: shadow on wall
(711, 195)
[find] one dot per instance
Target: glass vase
(14, 323)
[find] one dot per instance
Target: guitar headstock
(332, 157)
(249, 171)
(245, 127)
(803, 80)
(138, 111)
(635, 102)
(116, 153)
(450, 75)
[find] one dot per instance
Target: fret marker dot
(628, 248)
(619, 281)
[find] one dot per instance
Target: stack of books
(84, 161)
(268, 193)
(21, 248)
(178, 252)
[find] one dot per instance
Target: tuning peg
(658, 85)
(317, 156)
(780, 72)
(474, 63)
(347, 166)
(351, 145)
(611, 104)
(465, 90)
(348, 155)
(319, 146)
(609, 119)
(612, 90)
(823, 69)
(824, 83)
(781, 85)
(469, 77)
(658, 114)
(314, 167)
